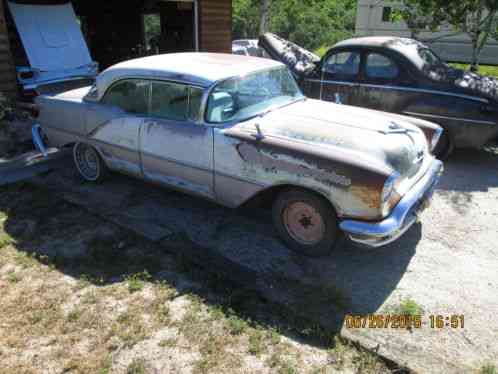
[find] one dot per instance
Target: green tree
(309, 23)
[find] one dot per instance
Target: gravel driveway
(447, 265)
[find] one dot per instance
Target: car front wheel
(306, 222)
(89, 163)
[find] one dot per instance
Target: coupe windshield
(430, 58)
(238, 99)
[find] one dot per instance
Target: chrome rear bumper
(403, 216)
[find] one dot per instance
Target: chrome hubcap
(87, 161)
(303, 223)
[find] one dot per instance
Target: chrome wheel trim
(87, 161)
(303, 223)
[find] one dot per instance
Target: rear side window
(130, 95)
(175, 101)
(380, 67)
(343, 64)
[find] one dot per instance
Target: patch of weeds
(5, 240)
(36, 317)
(273, 336)
(409, 307)
(89, 298)
(367, 362)
(236, 325)
(84, 281)
(106, 365)
(287, 368)
(488, 368)
(137, 366)
(256, 342)
(25, 260)
(129, 328)
(169, 342)
(74, 315)
(338, 352)
(136, 282)
(163, 314)
(13, 277)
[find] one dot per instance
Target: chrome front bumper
(403, 216)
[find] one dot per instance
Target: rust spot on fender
(368, 195)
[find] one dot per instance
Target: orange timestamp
(402, 321)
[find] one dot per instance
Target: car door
(340, 74)
(176, 148)
(113, 124)
(382, 83)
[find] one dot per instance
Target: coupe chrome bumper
(403, 216)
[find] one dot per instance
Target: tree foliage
(309, 23)
(476, 18)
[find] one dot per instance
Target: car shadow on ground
(468, 171)
(238, 258)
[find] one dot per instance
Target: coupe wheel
(444, 147)
(89, 163)
(306, 222)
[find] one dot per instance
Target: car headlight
(389, 195)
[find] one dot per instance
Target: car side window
(131, 95)
(380, 67)
(175, 101)
(343, 64)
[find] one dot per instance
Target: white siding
(451, 47)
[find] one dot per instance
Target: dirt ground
(84, 295)
(81, 295)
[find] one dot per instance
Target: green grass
(409, 307)
(488, 369)
(490, 70)
(136, 282)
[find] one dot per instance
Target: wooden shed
(113, 30)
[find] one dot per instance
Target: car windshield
(429, 58)
(241, 98)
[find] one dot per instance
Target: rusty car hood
(362, 133)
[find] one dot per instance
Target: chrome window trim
(450, 118)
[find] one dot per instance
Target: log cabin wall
(8, 83)
(215, 25)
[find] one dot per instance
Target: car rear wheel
(444, 147)
(89, 163)
(306, 222)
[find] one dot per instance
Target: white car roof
(197, 68)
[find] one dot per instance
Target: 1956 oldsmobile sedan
(233, 128)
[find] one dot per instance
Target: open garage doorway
(170, 26)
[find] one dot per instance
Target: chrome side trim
(231, 176)
(400, 88)
(342, 83)
(37, 139)
(435, 116)
(175, 161)
(423, 90)
(376, 234)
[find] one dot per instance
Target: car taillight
(31, 93)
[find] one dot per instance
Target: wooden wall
(8, 83)
(215, 25)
